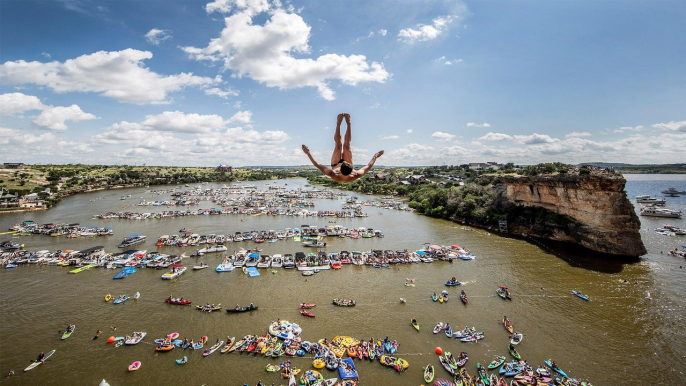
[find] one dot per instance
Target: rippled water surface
(634, 319)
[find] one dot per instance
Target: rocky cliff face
(589, 210)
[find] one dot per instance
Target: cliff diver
(341, 169)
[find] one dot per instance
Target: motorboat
(660, 212)
(647, 199)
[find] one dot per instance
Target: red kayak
(178, 301)
(306, 306)
(305, 313)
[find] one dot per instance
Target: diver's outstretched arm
(327, 171)
(365, 169)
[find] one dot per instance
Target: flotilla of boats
(652, 205)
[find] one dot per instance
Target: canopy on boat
(455, 246)
(421, 252)
(254, 255)
(176, 265)
(435, 247)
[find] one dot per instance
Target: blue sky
(246, 82)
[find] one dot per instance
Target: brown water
(625, 327)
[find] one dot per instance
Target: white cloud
(266, 53)
(45, 147)
(423, 32)
(46, 55)
(221, 93)
(671, 126)
(534, 138)
(442, 136)
(576, 134)
(155, 36)
(409, 131)
(51, 117)
(390, 137)
(184, 123)
(17, 103)
(627, 128)
(241, 117)
(447, 62)
(495, 137)
(383, 32)
(375, 105)
(226, 6)
(472, 124)
(54, 117)
(120, 75)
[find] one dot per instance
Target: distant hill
(642, 168)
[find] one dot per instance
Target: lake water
(631, 330)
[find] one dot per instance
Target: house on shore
(13, 165)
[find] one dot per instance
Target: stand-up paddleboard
(35, 364)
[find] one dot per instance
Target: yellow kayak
(108, 297)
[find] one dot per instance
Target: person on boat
(11, 373)
(40, 357)
(238, 306)
(341, 169)
(447, 326)
(553, 364)
(453, 280)
(414, 321)
(252, 306)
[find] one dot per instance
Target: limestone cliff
(589, 210)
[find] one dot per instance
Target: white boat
(265, 261)
(174, 273)
(135, 338)
(660, 212)
(647, 199)
(225, 267)
(288, 261)
(277, 261)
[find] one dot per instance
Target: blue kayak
(182, 361)
(556, 369)
(121, 300)
(452, 283)
(579, 294)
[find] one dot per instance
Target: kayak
(462, 359)
(434, 297)
(502, 292)
(227, 346)
(579, 294)
(304, 306)
(305, 313)
(508, 326)
(108, 297)
(178, 301)
(241, 309)
(514, 353)
(213, 348)
(416, 327)
(482, 374)
(428, 374)
(137, 295)
(135, 366)
(463, 298)
(210, 308)
(36, 363)
(67, 334)
(516, 338)
(182, 361)
(549, 363)
(443, 382)
(446, 365)
(121, 299)
(438, 328)
(452, 283)
(449, 332)
(498, 361)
